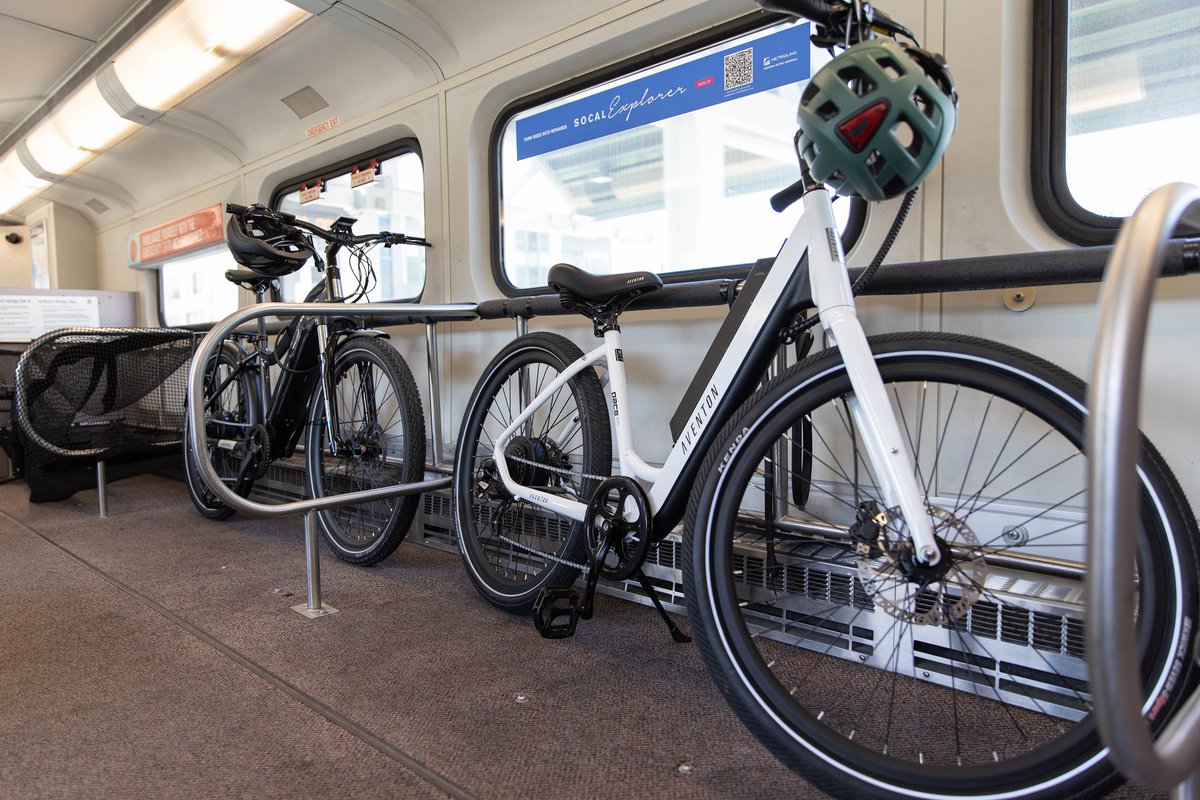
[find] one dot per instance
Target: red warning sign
(195, 230)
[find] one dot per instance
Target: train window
(1118, 114)
(383, 191)
(192, 288)
(666, 167)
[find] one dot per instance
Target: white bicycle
(883, 547)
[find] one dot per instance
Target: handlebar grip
(235, 209)
(785, 197)
(819, 11)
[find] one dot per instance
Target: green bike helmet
(875, 120)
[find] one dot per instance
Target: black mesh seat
(89, 395)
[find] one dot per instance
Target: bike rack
(1174, 759)
(396, 314)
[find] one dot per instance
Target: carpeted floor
(153, 653)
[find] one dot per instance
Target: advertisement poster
(775, 60)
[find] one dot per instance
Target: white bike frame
(870, 408)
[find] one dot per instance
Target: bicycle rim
(863, 669)
(381, 434)
(513, 549)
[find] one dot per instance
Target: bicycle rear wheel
(231, 421)
(512, 549)
(874, 675)
(380, 438)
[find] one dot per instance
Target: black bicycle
(330, 380)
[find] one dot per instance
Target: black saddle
(254, 281)
(601, 297)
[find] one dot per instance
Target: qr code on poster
(739, 69)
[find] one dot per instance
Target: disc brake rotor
(919, 594)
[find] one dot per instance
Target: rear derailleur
(616, 528)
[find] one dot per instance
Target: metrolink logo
(700, 417)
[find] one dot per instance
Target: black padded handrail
(1080, 265)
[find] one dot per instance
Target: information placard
(26, 317)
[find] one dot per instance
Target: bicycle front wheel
(235, 439)
(513, 550)
(873, 674)
(379, 440)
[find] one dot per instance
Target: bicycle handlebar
(832, 19)
(820, 11)
(386, 237)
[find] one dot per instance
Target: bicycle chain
(548, 556)
(533, 551)
(559, 470)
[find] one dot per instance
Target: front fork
(325, 355)
(870, 408)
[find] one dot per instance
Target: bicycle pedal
(556, 612)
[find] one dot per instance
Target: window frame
(1048, 162)
(157, 269)
(655, 56)
(394, 149)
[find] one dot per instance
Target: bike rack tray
(380, 313)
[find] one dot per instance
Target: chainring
(618, 511)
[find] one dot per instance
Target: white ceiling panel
(479, 31)
(89, 20)
(40, 40)
(154, 164)
(365, 72)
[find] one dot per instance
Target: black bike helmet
(266, 245)
(876, 119)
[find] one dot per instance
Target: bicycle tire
(382, 425)
(232, 415)
(513, 550)
(826, 649)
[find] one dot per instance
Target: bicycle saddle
(250, 279)
(601, 289)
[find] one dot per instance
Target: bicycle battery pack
(761, 352)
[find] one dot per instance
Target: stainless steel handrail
(1112, 441)
(313, 607)
(209, 344)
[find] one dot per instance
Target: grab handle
(1112, 441)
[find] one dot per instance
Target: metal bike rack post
(435, 392)
(101, 488)
(414, 313)
(1112, 441)
(312, 607)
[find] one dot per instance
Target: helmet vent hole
(810, 91)
(895, 187)
(857, 81)
(876, 163)
(891, 68)
(827, 111)
(923, 103)
(906, 137)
